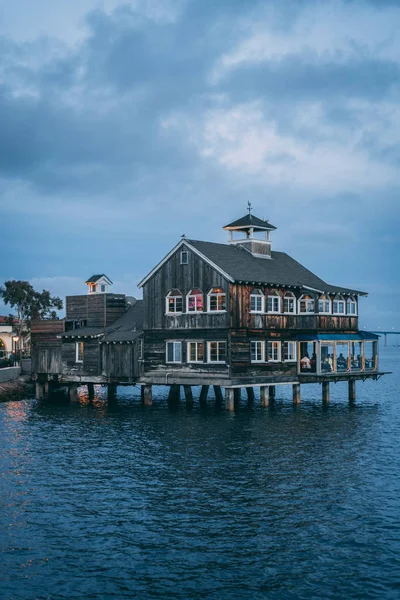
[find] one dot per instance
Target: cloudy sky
(126, 124)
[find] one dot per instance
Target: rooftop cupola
(252, 233)
(98, 284)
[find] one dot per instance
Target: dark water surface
(133, 502)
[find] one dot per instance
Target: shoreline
(18, 389)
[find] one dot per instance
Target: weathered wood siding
(120, 360)
(241, 317)
(172, 275)
(98, 310)
(91, 358)
(45, 346)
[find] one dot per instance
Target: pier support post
(230, 399)
(203, 395)
(147, 395)
(250, 395)
(325, 392)
(237, 394)
(73, 392)
(39, 390)
(111, 391)
(188, 395)
(174, 394)
(264, 400)
(352, 390)
(46, 388)
(271, 393)
(296, 393)
(90, 389)
(142, 393)
(218, 394)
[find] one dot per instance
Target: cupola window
(306, 304)
(289, 303)
(257, 301)
(174, 302)
(216, 300)
(195, 302)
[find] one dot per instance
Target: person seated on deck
(305, 363)
(314, 363)
(326, 364)
(341, 362)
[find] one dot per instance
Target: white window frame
(279, 348)
(190, 295)
(175, 344)
(308, 302)
(351, 302)
(77, 353)
(218, 295)
(167, 299)
(182, 261)
(262, 347)
(274, 297)
(289, 296)
(326, 299)
(293, 353)
(216, 362)
(196, 343)
(258, 295)
(338, 300)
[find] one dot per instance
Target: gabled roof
(95, 278)
(250, 221)
(236, 263)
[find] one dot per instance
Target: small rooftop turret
(98, 284)
(247, 228)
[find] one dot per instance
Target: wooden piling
(73, 392)
(174, 394)
(237, 394)
(352, 390)
(147, 395)
(264, 396)
(229, 399)
(271, 393)
(218, 394)
(325, 392)
(111, 392)
(90, 389)
(250, 395)
(188, 395)
(203, 395)
(39, 390)
(296, 393)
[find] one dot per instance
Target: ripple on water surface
(128, 501)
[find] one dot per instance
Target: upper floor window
(195, 352)
(289, 353)
(339, 306)
(351, 306)
(216, 352)
(324, 305)
(273, 351)
(195, 301)
(174, 302)
(174, 352)
(92, 287)
(289, 303)
(257, 353)
(184, 257)
(306, 304)
(79, 352)
(216, 299)
(257, 301)
(274, 303)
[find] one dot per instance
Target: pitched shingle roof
(280, 269)
(251, 221)
(95, 278)
(128, 327)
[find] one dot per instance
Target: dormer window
(92, 288)
(273, 303)
(306, 304)
(324, 305)
(184, 257)
(194, 301)
(257, 301)
(216, 300)
(289, 303)
(352, 306)
(339, 306)
(174, 302)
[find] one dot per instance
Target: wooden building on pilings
(233, 316)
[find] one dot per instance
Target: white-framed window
(92, 287)
(257, 301)
(174, 352)
(324, 305)
(289, 303)
(306, 304)
(102, 287)
(216, 352)
(140, 349)
(184, 257)
(195, 301)
(273, 351)
(195, 352)
(216, 300)
(174, 302)
(351, 306)
(289, 353)
(274, 303)
(339, 306)
(257, 351)
(79, 352)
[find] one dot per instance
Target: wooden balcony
(303, 322)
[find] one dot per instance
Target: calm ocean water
(132, 502)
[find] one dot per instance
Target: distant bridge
(386, 333)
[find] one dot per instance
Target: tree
(28, 304)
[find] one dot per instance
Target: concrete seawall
(9, 374)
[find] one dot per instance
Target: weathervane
(249, 206)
